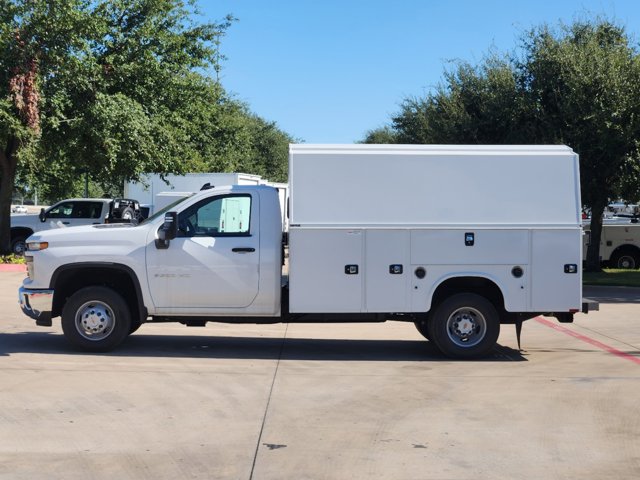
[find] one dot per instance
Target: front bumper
(37, 304)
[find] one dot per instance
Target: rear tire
(96, 319)
(465, 325)
(422, 326)
(626, 259)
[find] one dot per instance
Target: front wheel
(18, 245)
(465, 325)
(96, 319)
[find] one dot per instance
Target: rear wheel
(465, 325)
(96, 319)
(627, 259)
(422, 326)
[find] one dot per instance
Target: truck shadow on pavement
(140, 345)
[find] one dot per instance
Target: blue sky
(327, 71)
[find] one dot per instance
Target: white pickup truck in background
(70, 213)
(408, 233)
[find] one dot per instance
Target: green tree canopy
(576, 85)
(114, 89)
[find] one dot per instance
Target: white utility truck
(619, 244)
(456, 239)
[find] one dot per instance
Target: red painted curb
(12, 267)
(589, 340)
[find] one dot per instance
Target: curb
(12, 267)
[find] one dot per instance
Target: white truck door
(208, 266)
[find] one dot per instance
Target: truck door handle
(243, 249)
(65, 223)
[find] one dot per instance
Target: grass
(612, 277)
(13, 259)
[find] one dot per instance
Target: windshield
(160, 213)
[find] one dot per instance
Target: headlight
(35, 246)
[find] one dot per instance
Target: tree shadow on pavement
(612, 294)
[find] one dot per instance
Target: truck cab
(223, 259)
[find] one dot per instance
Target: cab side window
(63, 210)
(229, 215)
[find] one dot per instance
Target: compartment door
(388, 271)
(553, 290)
(318, 282)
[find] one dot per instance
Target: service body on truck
(457, 239)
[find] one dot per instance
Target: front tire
(465, 325)
(96, 319)
(18, 245)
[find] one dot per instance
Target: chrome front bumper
(36, 304)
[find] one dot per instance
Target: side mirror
(168, 230)
(42, 216)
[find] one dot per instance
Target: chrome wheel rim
(626, 261)
(95, 320)
(19, 247)
(466, 327)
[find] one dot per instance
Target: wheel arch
(21, 232)
(478, 284)
(68, 279)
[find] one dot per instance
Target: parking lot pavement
(370, 401)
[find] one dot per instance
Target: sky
(328, 71)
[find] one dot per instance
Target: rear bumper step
(589, 305)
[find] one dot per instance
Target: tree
(584, 82)
(110, 88)
(381, 135)
(578, 85)
(475, 105)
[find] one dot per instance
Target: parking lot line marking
(266, 409)
(589, 340)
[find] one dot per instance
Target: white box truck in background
(456, 239)
(155, 192)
